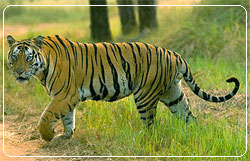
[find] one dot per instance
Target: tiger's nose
(20, 72)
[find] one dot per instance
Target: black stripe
(56, 45)
(102, 70)
(62, 115)
(148, 64)
(103, 89)
(122, 58)
(228, 96)
(105, 92)
(60, 89)
(70, 109)
(81, 53)
(175, 54)
(113, 44)
(96, 98)
(46, 72)
(95, 51)
(206, 96)
(54, 69)
(149, 101)
(26, 43)
(91, 88)
(48, 44)
(221, 99)
(56, 116)
(86, 63)
(196, 90)
(189, 113)
(52, 84)
(82, 64)
(187, 118)
(101, 83)
(66, 119)
(179, 59)
(148, 118)
(170, 65)
(155, 77)
(134, 56)
(215, 99)
(149, 55)
(73, 50)
(138, 48)
(114, 52)
(128, 76)
(175, 101)
(69, 123)
(83, 98)
(185, 74)
(150, 107)
(67, 92)
(173, 112)
(115, 76)
(140, 86)
(68, 57)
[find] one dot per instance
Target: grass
(211, 40)
(216, 72)
(104, 136)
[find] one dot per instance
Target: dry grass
(23, 128)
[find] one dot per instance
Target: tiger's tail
(199, 92)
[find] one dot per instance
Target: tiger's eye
(10, 63)
(29, 58)
(14, 57)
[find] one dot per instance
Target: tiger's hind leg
(147, 107)
(69, 124)
(177, 103)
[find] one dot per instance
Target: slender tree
(147, 14)
(127, 16)
(100, 30)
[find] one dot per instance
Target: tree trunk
(99, 26)
(147, 14)
(127, 16)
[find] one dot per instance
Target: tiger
(72, 72)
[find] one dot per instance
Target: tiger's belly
(110, 91)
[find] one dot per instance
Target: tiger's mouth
(22, 80)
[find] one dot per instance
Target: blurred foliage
(213, 31)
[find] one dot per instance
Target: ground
(21, 136)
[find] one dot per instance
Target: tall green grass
(215, 72)
(122, 133)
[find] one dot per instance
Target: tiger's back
(108, 71)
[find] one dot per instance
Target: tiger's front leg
(69, 124)
(56, 110)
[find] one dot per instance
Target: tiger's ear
(10, 40)
(39, 41)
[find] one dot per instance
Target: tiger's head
(24, 58)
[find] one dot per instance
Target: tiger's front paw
(46, 131)
(61, 138)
